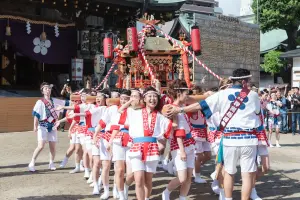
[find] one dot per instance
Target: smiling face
(151, 100)
(135, 97)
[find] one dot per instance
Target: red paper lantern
(132, 39)
(108, 47)
(196, 41)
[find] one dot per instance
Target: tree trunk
(292, 35)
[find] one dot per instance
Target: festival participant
(274, 119)
(199, 133)
(147, 127)
(135, 102)
(92, 118)
(80, 151)
(182, 145)
(214, 137)
(120, 143)
(263, 156)
(44, 119)
(71, 133)
(110, 122)
(240, 110)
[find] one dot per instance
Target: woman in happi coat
(147, 127)
(182, 145)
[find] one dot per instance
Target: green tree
(272, 62)
(279, 14)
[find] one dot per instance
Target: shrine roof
(157, 45)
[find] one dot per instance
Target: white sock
(228, 198)
(182, 198)
(122, 195)
(197, 175)
(50, 161)
(167, 191)
(81, 162)
(77, 165)
(66, 158)
(146, 198)
(32, 162)
(106, 189)
(86, 170)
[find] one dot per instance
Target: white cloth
(139, 165)
(44, 135)
(95, 150)
(104, 154)
(246, 118)
(119, 152)
(245, 155)
(96, 114)
(262, 150)
(201, 147)
(183, 165)
(88, 143)
(77, 139)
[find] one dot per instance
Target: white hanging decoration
(56, 30)
(28, 27)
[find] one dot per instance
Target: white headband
(50, 86)
(241, 77)
(227, 85)
(181, 89)
(151, 92)
(125, 95)
(105, 95)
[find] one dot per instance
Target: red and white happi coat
(69, 119)
(213, 134)
(140, 125)
(122, 138)
(109, 122)
(261, 133)
(92, 117)
(82, 108)
(198, 124)
(183, 129)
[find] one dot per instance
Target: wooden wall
(16, 114)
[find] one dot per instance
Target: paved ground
(16, 183)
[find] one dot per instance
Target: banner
(77, 69)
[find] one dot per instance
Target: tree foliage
(279, 14)
(272, 62)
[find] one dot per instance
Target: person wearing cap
(44, 118)
(240, 119)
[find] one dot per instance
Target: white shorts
(88, 143)
(44, 135)
(262, 150)
(183, 165)
(201, 147)
(246, 156)
(104, 154)
(95, 150)
(215, 148)
(77, 139)
(139, 165)
(119, 152)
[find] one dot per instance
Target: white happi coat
(134, 122)
(94, 115)
(213, 124)
(82, 108)
(246, 119)
(39, 109)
